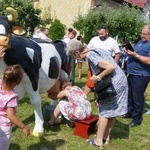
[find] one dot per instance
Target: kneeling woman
(110, 108)
(73, 105)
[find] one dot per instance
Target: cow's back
(40, 61)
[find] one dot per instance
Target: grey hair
(73, 46)
(147, 27)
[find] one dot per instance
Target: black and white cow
(45, 64)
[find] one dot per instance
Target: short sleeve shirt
(42, 36)
(109, 45)
(95, 56)
(134, 66)
(66, 39)
(7, 99)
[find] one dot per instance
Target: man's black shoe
(132, 124)
(126, 116)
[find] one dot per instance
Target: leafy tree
(124, 22)
(28, 16)
(46, 18)
(57, 30)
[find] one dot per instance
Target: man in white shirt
(102, 41)
(44, 35)
(105, 42)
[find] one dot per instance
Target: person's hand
(50, 40)
(26, 130)
(131, 53)
(2, 51)
(93, 79)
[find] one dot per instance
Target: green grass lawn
(61, 137)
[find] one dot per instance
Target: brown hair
(65, 84)
(103, 27)
(70, 30)
(36, 28)
(74, 33)
(13, 75)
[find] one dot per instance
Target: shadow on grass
(120, 131)
(47, 145)
(55, 128)
(25, 121)
(31, 118)
(25, 99)
(14, 146)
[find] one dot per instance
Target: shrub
(125, 22)
(57, 30)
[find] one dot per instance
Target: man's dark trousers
(137, 87)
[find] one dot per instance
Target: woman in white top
(36, 32)
(71, 35)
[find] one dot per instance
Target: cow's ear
(18, 30)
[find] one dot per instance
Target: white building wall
(65, 10)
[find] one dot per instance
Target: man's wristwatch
(98, 78)
(136, 56)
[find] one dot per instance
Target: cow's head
(8, 26)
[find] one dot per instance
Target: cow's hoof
(38, 134)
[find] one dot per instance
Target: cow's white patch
(30, 53)
(2, 29)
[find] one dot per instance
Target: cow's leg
(36, 103)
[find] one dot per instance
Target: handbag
(108, 92)
(104, 88)
(104, 83)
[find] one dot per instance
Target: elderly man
(138, 68)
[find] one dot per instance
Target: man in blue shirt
(138, 69)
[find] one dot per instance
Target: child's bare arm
(62, 94)
(12, 117)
